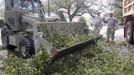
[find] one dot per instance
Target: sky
(104, 1)
(1, 3)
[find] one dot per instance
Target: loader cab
(11, 14)
(30, 6)
(15, 9)
(15, 34)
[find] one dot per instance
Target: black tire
(129, 32)
(27, 44)
(4, 37)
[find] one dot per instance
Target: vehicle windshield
(29, 5)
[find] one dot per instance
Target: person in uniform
(112, 24)
(97, 23)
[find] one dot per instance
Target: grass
(103, 59)
(100, 59)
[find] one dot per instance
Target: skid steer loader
(25, 29)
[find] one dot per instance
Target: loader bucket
(74, 48)
(48, 29)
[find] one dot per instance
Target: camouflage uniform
(111, 27)
(97, 24)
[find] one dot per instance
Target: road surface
(119, 33)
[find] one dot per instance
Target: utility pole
(49, 8)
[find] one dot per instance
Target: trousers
(110, 34)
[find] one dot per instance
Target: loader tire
(4, 37)
(129, 32)
(26, 48)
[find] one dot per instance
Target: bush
(33, 66)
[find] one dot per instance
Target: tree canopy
(75, 7)
(117, 6)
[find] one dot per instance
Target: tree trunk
(71, 18)
(69, 14)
